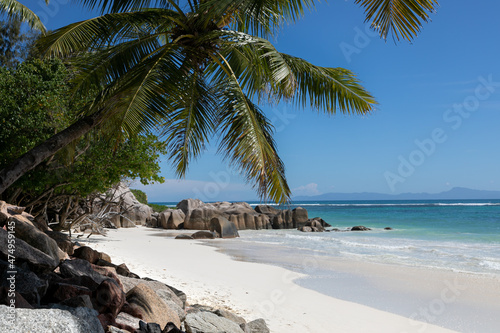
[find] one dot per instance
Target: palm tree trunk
(37, 155)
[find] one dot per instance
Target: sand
(252, 290)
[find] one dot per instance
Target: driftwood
(102, 209)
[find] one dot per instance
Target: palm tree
(15, 9)
(199, 71)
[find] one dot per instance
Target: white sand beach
(252, 290)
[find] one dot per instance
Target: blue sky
(436, 125)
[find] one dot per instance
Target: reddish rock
(109, 298)
(65, 291)
(109, 272)
(122, 270)
(86, 253)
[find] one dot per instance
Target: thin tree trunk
(35, 156)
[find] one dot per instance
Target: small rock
(203, 235)
(171, 328)
(125, 319)
(86, 253)
(208, 322)
(122, 269)
(148, 328)
(231, 316)
(387, 228)
(183, 236)
(360, 228)
(257, 326)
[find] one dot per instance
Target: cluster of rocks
(220, 219)
(50, 284)
(193, 214)
(132, 212)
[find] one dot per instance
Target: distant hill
(456, 193)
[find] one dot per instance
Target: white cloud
(309, 189)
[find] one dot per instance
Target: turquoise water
(448, 234)
(456, 235)
(465, 220)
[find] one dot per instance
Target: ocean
(458, 235)
(449, 236)
(455, 235)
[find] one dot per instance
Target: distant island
(456, 193)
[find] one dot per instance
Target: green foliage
(37, 104)
(99, 163)
(159, 208)
(14, 45)
(140, 196)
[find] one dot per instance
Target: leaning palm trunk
(37, 155)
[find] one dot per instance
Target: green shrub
(140, 196)
(160, 208)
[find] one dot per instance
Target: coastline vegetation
(36, 103)
(143, 198)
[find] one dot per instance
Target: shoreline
(462, 301)
(252, 290)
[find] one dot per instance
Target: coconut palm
(17, 10)
(199, 71)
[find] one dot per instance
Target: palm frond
(190, 125)
(17, 10)
(116, 6)
(143, 97)
(259, 17)
(263, 71)
(100, 68)
(401, 18)
(247, 142)
(330, 89)
(96, 33)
